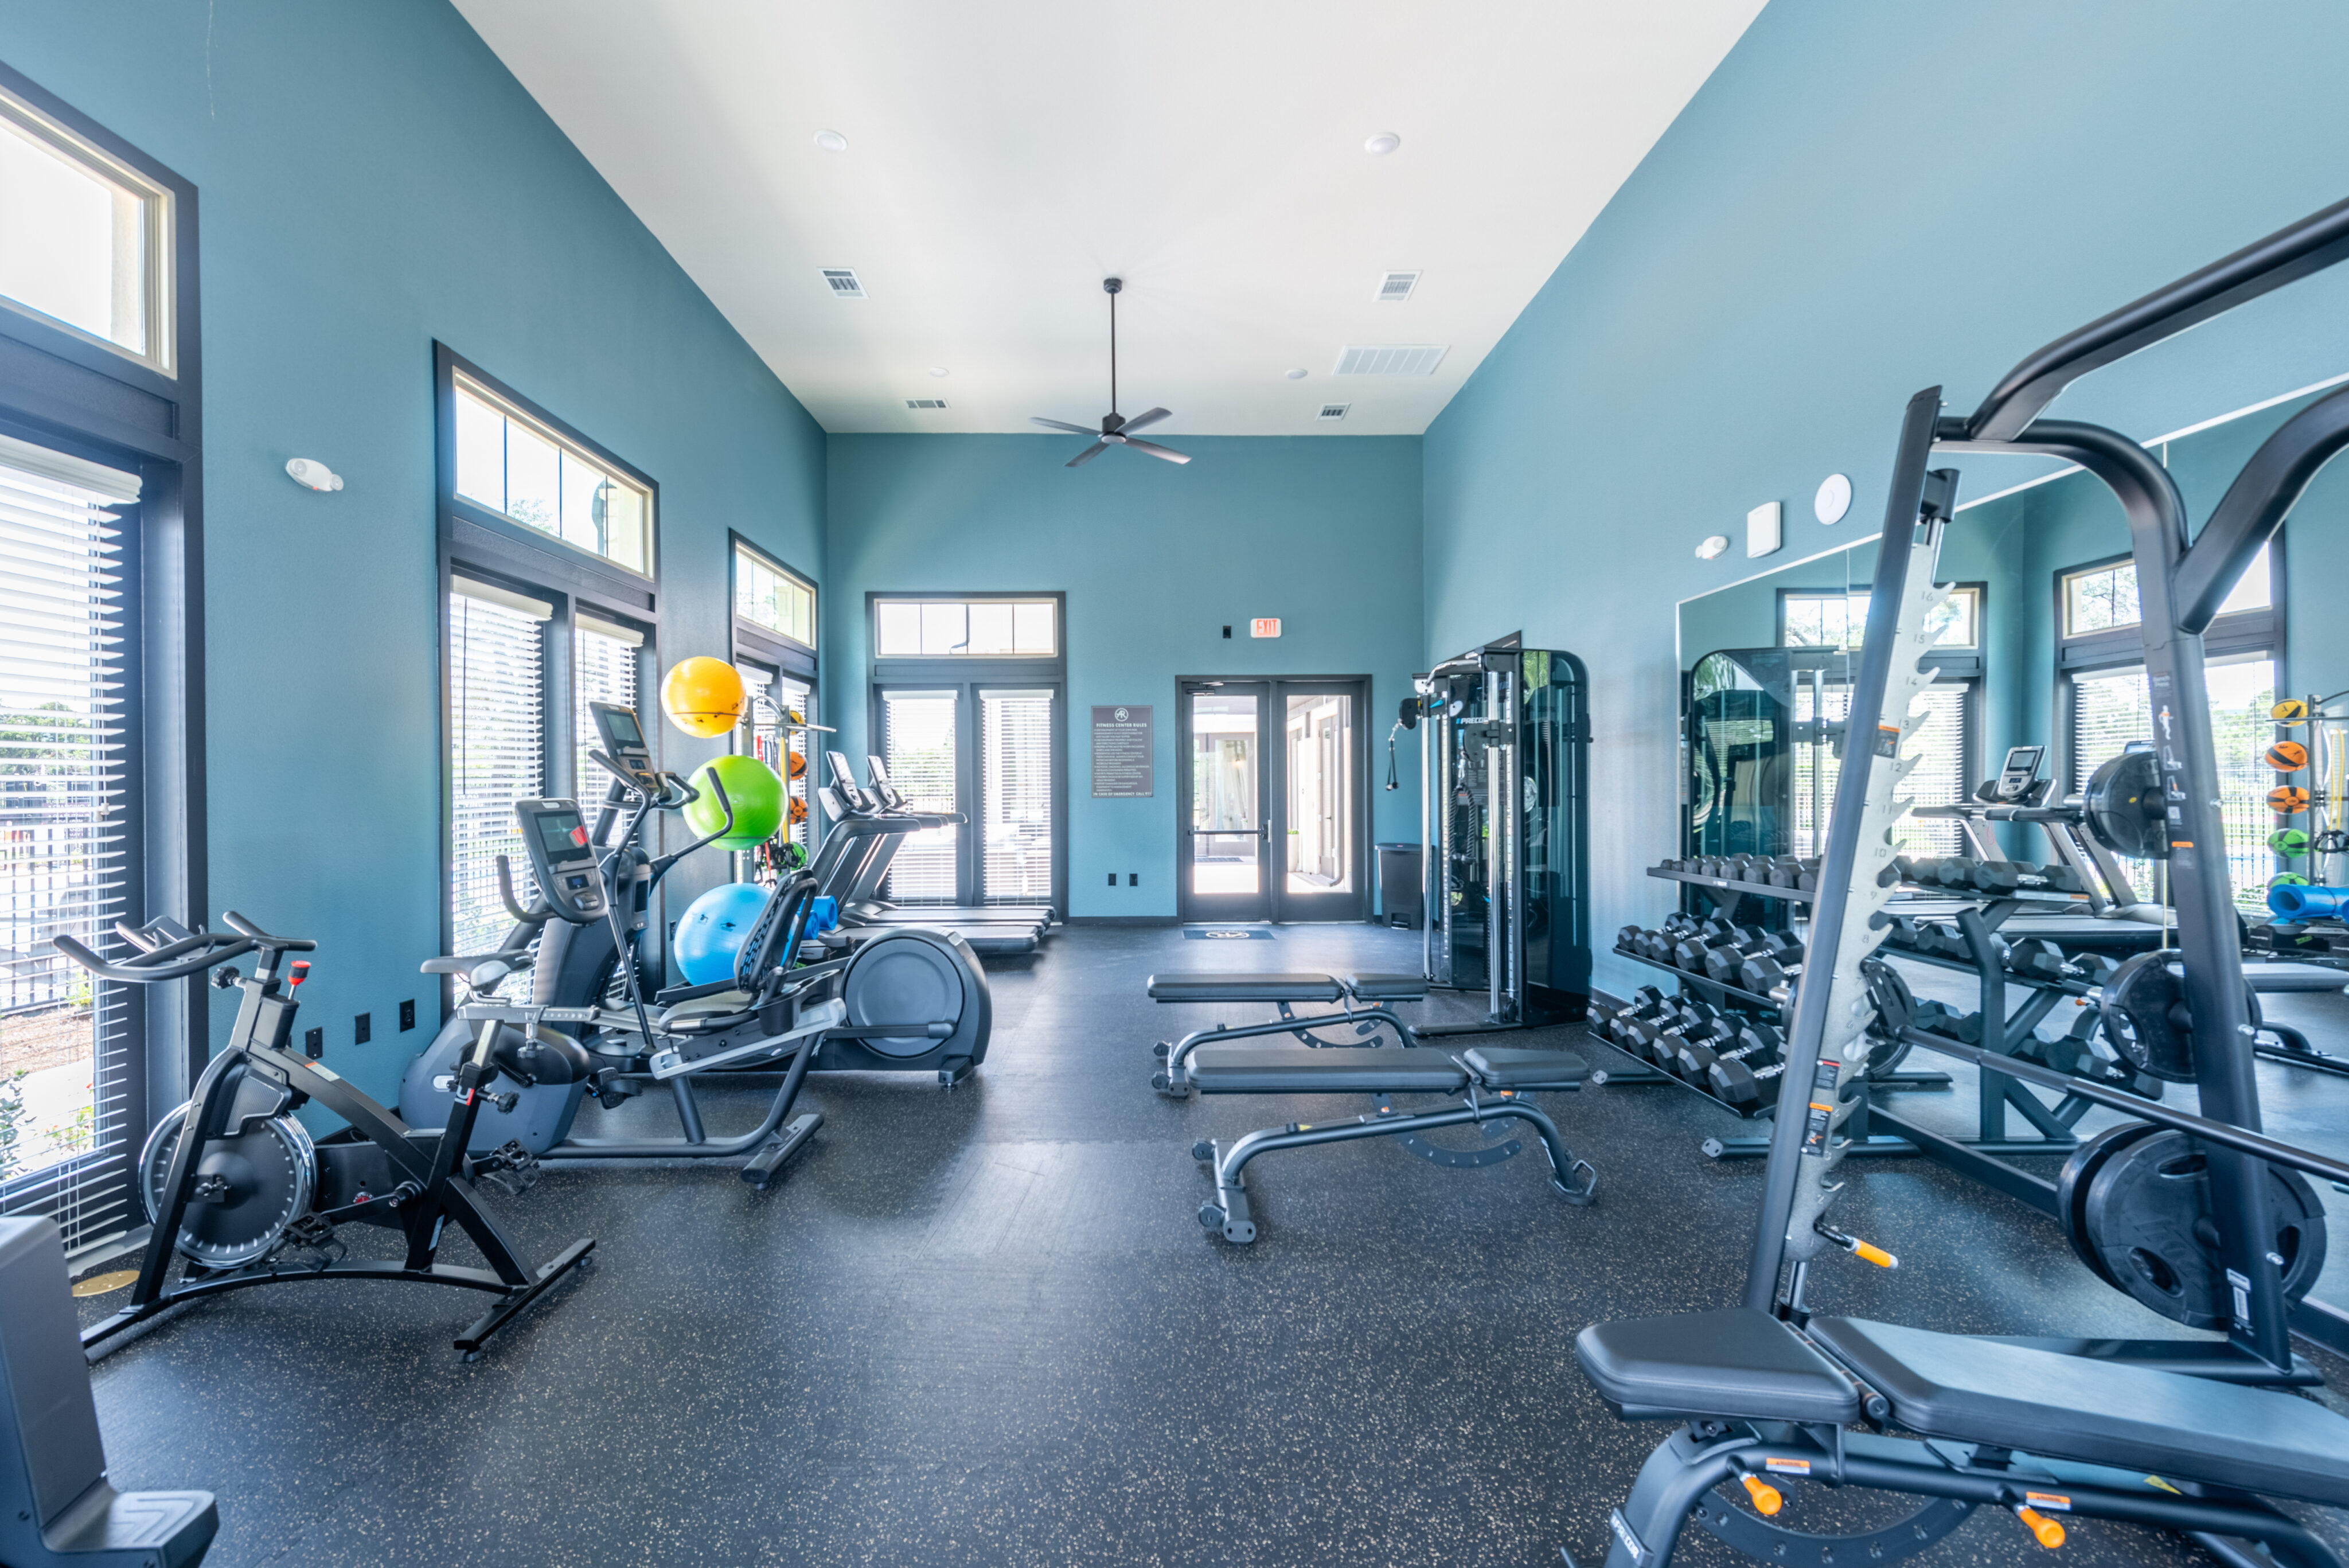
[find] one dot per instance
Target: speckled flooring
(985, 1328)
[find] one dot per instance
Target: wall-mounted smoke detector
(1391, 358)
(926, 402)
(843, 283)
(1333, 411)
(1396, 286)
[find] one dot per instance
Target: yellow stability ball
(703, 696)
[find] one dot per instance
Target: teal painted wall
(371, 179)
(1861, 200)
(1157, 559)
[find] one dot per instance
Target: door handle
(1256, 832)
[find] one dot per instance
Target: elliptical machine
(252, 1199)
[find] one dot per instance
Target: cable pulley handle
(536, 917)
(181, 960)
(262, 938)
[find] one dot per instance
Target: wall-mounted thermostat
(1265, 626)
(1765, 529)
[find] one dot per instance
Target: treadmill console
(889, 794)
(562, 858)
(624, 743)
(853, 799)
(2021, 772)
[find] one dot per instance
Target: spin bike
(252, 1199)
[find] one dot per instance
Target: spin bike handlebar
(189, 955)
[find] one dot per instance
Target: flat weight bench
(1360, 1070)
(1359, 998)
(2034, 1431)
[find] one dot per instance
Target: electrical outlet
(1134, 879)
(362, 1029)
(407, 1016)
(1228, 634)
(314, 1043)
(1112, 878)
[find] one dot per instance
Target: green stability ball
(755, 792)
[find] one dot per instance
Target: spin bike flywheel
(2135, 1202)
(250, 1186)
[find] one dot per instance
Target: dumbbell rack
(1881, 1133)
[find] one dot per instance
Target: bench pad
(1386, 987)
(2065, 1406)
(2277, 977)
(1243, 987)
(1336, 1070)
(1508, 1069)
(1736, 1363)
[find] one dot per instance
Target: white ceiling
(1003, 158)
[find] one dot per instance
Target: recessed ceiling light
(937, 370)
(831, 142)
(1296, 375)
(1384, 143)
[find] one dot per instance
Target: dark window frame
(65, 390)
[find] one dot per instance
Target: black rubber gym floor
(984, 1327)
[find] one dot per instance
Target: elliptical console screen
(624, 739)
(562, 858)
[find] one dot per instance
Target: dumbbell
(1784, 946)
(1721, 962)
(1654, 946)
(1998, 876)
(1762, 975)
(1687, 1053)
(1807, 879)
(2092, 969)
(2073, 1051)
(1646, 1003)
(2062, 879)
(1628, 938)
(1901, 931)
(1739, 1086)
(2035, 958)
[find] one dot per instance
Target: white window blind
(2109, 710)
(603, 670)
(918, 747)
(1939, 778)
(496, 752)
(1016, 797)
(66, 768)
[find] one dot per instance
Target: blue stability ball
(709, 937)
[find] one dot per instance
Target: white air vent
(843, 283)
(1396, 287)
(1391, 358)
(926, 402)
(1333, 411)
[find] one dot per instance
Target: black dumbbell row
(1731, 1059)
(1743, 956)
(1993, 876)
(2032, 959)
(1762, 870)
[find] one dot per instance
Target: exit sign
(1265, 626)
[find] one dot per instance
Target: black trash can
(1401, 901)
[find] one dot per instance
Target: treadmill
(863, 841)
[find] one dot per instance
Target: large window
(2104, 598)
(1015, 792)
(547, 549)
(1840, 620)
(526, 471)
(965, 628)
(918, 732)
(85, 239)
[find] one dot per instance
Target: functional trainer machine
(2163, 1433)
(1504, 837)
(251, 1200)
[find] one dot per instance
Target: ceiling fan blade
(1087, 455)
(1154, 450)
(1138, 421)
(1059, 425)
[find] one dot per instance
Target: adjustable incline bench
(1361, 997)
(2034, 1431)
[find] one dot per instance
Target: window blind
(1016, 797)
(497, 753)
(69, 1126)
(1939, 743)
(2110, 709)
(918, 747)
(603, 670)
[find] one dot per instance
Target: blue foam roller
(2295, 903)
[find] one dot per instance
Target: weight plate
(2287, 756)
(2148, 1218)
(2142, 1006)
(2078, 1176)
(2123, 807)
(270, 1174)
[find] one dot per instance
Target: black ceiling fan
(1116, 428)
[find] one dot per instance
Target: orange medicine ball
(2287, 756)
(2289, 801)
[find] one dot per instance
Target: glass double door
(1271, 814)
